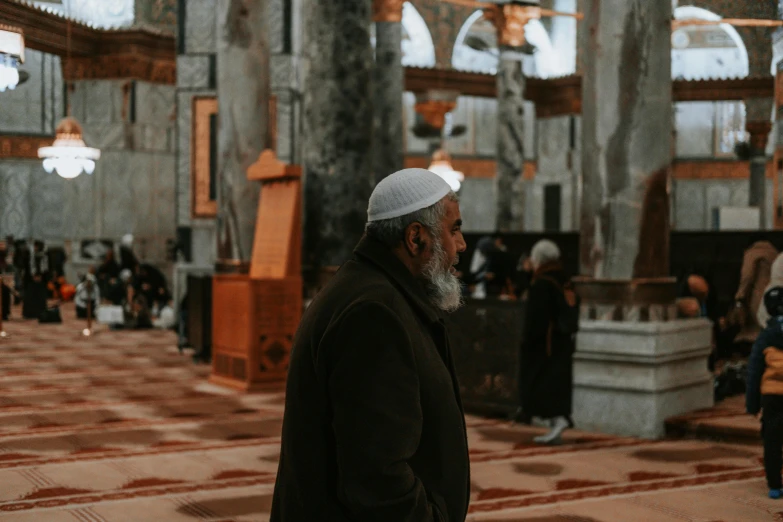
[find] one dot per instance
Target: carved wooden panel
(22, 147)
(202, 157)
(277, 217)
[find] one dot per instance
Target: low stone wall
(629, 377)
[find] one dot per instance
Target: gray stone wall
(132, 188)
(695, 200)
(36, 106)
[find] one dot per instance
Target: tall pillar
(243, 116)
(389, 82)
(758, 124)
(509, 21)
(629, 325)
(626, 138)
(338, 121)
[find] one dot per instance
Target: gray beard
(443, 287)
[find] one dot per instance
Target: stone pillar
(758, 124)
(626, 148)
(338, 120)
(388, 81)
(243, 116)
(633, 356)
(509, 21)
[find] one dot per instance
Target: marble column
(510, 143)
(758, 124)
(338, 124)
(388, 81)
(626, 138)
(243, 109)
(509, 21)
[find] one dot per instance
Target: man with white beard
(373, 428)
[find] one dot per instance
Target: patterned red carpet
(120, 427)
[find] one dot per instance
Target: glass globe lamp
(68, 155)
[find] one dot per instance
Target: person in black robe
(35, 291)
(546, 357)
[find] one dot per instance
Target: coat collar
(382, 257)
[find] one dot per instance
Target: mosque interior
(180, 178)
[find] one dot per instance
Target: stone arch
(418, 48)
(544, 63)
(707, 52)
(757, 39)
(702, 53)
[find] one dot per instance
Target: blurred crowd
(120, 290)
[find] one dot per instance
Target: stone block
(79, 198)
(23, 108)
(486, 122)
(100, 101)
(413, 145)
(193, 71)
(690, 212)
(286, 126)
(477, 197)
(463, 115)
(200, 26)
(204, 242)
(108, 136)
(285, 72)
(630, 377)
(46, 204)
(529, 133)
(553, 147)
(695, 125)
(15, 181)
(276, 26)
(155, 104)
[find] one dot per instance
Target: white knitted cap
(405, 192)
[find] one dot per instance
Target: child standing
(765, 388)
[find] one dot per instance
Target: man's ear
(414, 239)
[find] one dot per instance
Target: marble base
(630, 377)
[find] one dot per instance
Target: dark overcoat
(546, 359)
(373, 428)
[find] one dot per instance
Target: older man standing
(373, 427)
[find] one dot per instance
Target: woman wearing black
(546, 358)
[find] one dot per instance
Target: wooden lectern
(255, 316)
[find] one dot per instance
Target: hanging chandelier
(68, 155)
(11, 55)
(441, 165)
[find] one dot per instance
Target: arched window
(418, 50)
(701, 52)
(544, 63)
(103, 14)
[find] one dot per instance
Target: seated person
(765, 388)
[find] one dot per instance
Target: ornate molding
(562, 96)
(421, 79)
(126, 66)
(23, 147)
(434, 110)
(145, 54)
(713, 169)
(510, 20)
(759, 134)
(471, 167)
(387, 10)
